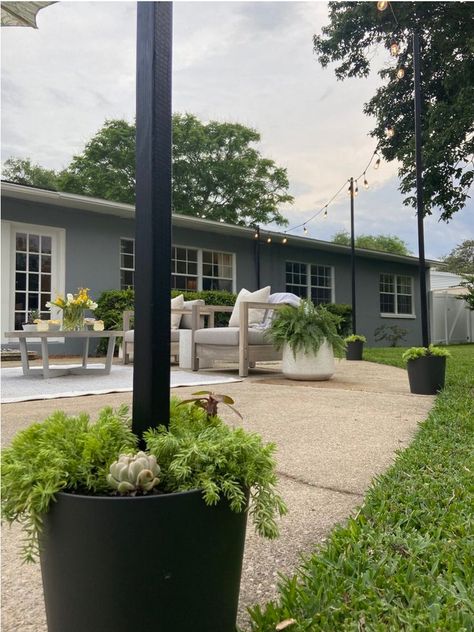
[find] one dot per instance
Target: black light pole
(353, 274)
(419, 189)
(151, 376)
(257, 255)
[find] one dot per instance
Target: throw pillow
(187, 321)
(256, 316)
(176, 303)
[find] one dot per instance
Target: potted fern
(309, 339)
(150, 539)
(426, 368)
(355, 346)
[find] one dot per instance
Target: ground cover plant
(404, 562)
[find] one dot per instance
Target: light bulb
(377, 163)
(381, 6)
(356, 191)
(256, 235)
(305, 230)
(394, 49)
(269, 240)
(325, 213)
(389, 132)
(284, 240)
(400, 72)
(221, 220)
(366, 184)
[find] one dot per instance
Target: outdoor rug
(17, 387)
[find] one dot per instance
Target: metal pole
(353, 274)
(257, 255)
(419, 190)
(151, 376)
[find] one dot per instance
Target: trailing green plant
(198, 451)
(202, 452)
(63, 452)
(344, 311)
(421, 352)
(134, 474)
(393, 334)
(33, 315)
(305, 328)
(355, 338)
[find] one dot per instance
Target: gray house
(55, 242)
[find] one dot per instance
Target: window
(309, 280)
(184, 268)
(396, 294)
(32, 275)
(127, 263)
(191, 268)
(217, 271)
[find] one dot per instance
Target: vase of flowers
(73, 307)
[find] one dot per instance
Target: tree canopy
(461, 259)
(354, 32)
(383, 243)
(217, 171)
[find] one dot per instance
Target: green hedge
(345, 312)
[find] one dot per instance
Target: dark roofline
(120, 209)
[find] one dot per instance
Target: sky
(247, 62)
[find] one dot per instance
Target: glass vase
(73, 319)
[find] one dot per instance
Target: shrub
(211, 297)
(420, 352)
(344, 311)
(355, 338)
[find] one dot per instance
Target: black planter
(354, 350)
(166, 563)
(426, 374)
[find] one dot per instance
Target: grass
(406, 560)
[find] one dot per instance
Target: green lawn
(406, 561)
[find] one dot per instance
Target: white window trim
(58, 268)
(396, 314)
(120, 259)
(308, 278)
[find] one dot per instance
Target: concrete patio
(332, 437)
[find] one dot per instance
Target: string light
(256, 235)
(377, 163)
(269, 240)
(325, 213)
(356, 191)
(389, 132)
(221, 220)
(400, 72)
(394, 49)
(366, 184)
(305, 230)
(284, 240)
(381, 6)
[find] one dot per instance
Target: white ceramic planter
(309, 366)
(29, 327)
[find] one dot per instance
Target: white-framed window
(396, 295)
(127, 263)
(192, 269)
(310, 280)
(33, 270)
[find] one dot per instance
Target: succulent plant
(134, 473)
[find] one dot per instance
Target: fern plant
(305, 328)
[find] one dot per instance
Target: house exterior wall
(92, 246)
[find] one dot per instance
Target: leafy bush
(211, 297)
(355, 338)
(198, 451)
(420, 352)
(344, 311)
(305, 328)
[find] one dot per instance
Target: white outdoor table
(44, 336)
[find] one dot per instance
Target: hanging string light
(381, 6)
(356, 190)
(269, 240)
(305, 230)
(325, 213)
(400, 72)
(389, 132)
(284, 240)
(256, 235)
(366, 184)
(377, 163)
(394, 49)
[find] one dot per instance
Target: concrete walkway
(333, 438)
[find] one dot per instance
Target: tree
(461, 259)
(383, 243)
(447, 85)
(23, 171)
(468, 283)
(217, 173)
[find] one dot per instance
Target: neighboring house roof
(444, 280)
(96, 205)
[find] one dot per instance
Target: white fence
(451, 320)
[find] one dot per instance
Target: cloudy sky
(250, 62)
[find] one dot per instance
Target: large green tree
(217, 171)
(383, 243)
(356, 30)
(23, 171)
(461, 259)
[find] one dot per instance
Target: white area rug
(17, 387)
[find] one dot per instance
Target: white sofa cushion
(176, 303)
(187, 321)
(256, 316)
(228, 336)
(129, 335)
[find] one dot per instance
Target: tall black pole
(257, 255)
(353, 269)
(151, 377)
(419, 190)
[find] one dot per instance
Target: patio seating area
(333, 437)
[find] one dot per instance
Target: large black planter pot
(354, 350)
(165, 563)
(426, 374)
